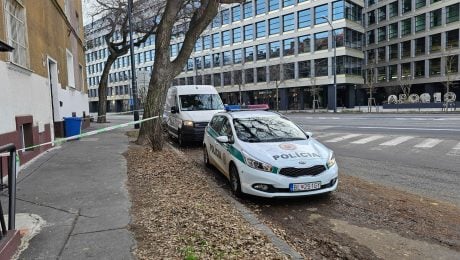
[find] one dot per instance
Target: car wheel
(235, 183)
(206, 157)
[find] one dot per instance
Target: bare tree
(315, 89)
(238, 81)
(370, 80)
(199, 15)
(450, 64)
(405, 83)
(278, 75)
(115, 24)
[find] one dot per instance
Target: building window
(321, 41)
(249, 54)
(237, 56)
(288, 3)
(226, 38)
(452, 39)
(260, 7)
(393, 72)
(216, 22)
(381, 54)
(217, 80)
(261, 52)
(371, 17)
(393, 31)
(237, 77)
(198, 63)
(419, 3)
(393, 51)
(382, 13)
(420, 22)
(207, 42)
(198, 45)
(304, 18)
(207, 79)
(216, 60)
(274, 25)
(70, 70)
(370, 37)
(435, 42)
(227, 78)
(236, 35)
(288, 22)
(304, 44)
(337, 10)
(236, 13)
(207, 61)
(406, 26)
(405, 49)
(435, 18)
(420, 69)
(435, 67)
(339, 37)
(370, 2)
(419, 46)
(260, 29)
(353, 12)
(274, 49)
(381, 74)
(289, 71)
(304, 69)
(226, 16)
(273, 5)
(321, 67)
(452, 13)
(249, 76)
(274, 72)
(288, 47)
(451, 64)
(382, 34)
(247, 10)
(320, 13)
(405, 70)
(261, 74)
(248, 32)
(393, 9)
(353, 39)
(16, 32)
(216, 40)
(227, 58)
(406, 6)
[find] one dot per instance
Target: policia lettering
(296, 155)
(215, 151)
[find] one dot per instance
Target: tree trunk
(102, 91)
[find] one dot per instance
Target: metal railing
(11, 149)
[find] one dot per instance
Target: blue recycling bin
(72, 126)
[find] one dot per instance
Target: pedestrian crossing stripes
(341, 138)
(397, 141)
(428, 143)
(368, 139)
(457, 147)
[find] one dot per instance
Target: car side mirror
(309, 134)
(223, 139)
(174, 109)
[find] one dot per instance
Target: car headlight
(330, 161)
(187, 123)
(256, 164)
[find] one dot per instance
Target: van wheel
(206, 156)
(235, 183)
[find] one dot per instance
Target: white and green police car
(263, 153)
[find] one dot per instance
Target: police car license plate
(305, 186)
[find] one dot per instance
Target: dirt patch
(177, 215)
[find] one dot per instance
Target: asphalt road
(419, 153)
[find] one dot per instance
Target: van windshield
(201, 102)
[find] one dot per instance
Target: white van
(188, 110)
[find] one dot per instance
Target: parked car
(188, 110)
(263, 153)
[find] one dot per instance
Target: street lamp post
(334, 64)
(133, 65)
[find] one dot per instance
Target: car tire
(180, 139)
(206, 157)
(235, 183)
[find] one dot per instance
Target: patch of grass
(189, 253)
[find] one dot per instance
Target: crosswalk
(379, 140)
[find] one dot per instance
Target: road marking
(324, 135)
(397, 140)
(408, 128)
(368, 139)
(428, 143)
(457, 147)
(341, 138)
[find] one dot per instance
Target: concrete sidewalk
(79, 190)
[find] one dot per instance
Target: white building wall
(23, 93)
(72, 101)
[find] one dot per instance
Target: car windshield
(267, 129)
(201, 102)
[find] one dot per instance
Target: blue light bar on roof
(246, 107)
